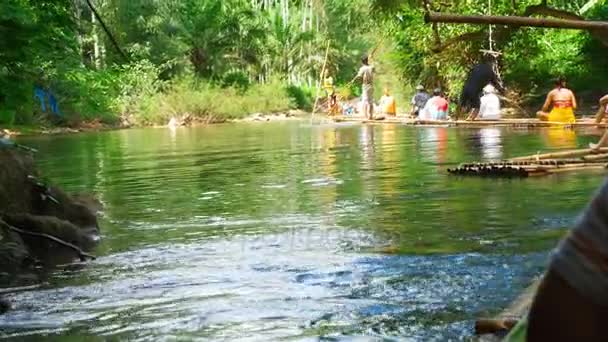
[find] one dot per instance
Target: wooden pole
(435, 17)
(321, 79)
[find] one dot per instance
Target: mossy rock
(13, 252)
(29, 205)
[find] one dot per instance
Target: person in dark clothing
(419, 100)
(480, 76)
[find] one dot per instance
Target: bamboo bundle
(525, 170)
(527, 162)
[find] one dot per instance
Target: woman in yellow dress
(564, 104)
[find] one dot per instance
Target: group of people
(479, 97)
(436, 107)
(367, 107)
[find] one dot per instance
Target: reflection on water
(491, 147)
(558, 137)
(278, 231)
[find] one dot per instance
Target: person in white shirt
(490, 104)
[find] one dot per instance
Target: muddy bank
(40, 225)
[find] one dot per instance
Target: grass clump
(211, 103)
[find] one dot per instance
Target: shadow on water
(292, 231)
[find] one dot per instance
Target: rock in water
(30, 205)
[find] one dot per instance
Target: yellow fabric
(388, 105)
(565, 115)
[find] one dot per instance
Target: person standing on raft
(564, 104)
(480, 76)
(366, 74)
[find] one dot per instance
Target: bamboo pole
(595, 166)
(561, 154)
(515, 311)
(600, 156)
(314, 107)
(435, 17)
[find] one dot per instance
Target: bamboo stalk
(600, 156)
(314, 107)
(435, 17)
(561, 154)
(578, 168)
(515, 311)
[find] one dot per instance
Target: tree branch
(107, 31)
(81, 254)
(505, 32)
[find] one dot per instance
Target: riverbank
(177, 121)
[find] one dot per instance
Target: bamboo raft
(537, 164)
(522, 123)
(495, 329)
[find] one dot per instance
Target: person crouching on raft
(601, 112)
(490, 104)
(436, 107)
(564, 104)
(387, 104)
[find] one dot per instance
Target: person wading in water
(563, 101)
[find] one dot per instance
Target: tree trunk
(435, 17)
(96, 50)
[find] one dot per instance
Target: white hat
(420, 87)
(489, 89)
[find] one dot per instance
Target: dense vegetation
(153, 59)
(531, 57)
(164, 57)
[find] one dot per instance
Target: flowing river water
(287, 231)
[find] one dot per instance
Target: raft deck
(528, 123)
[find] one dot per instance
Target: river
(287, 231)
